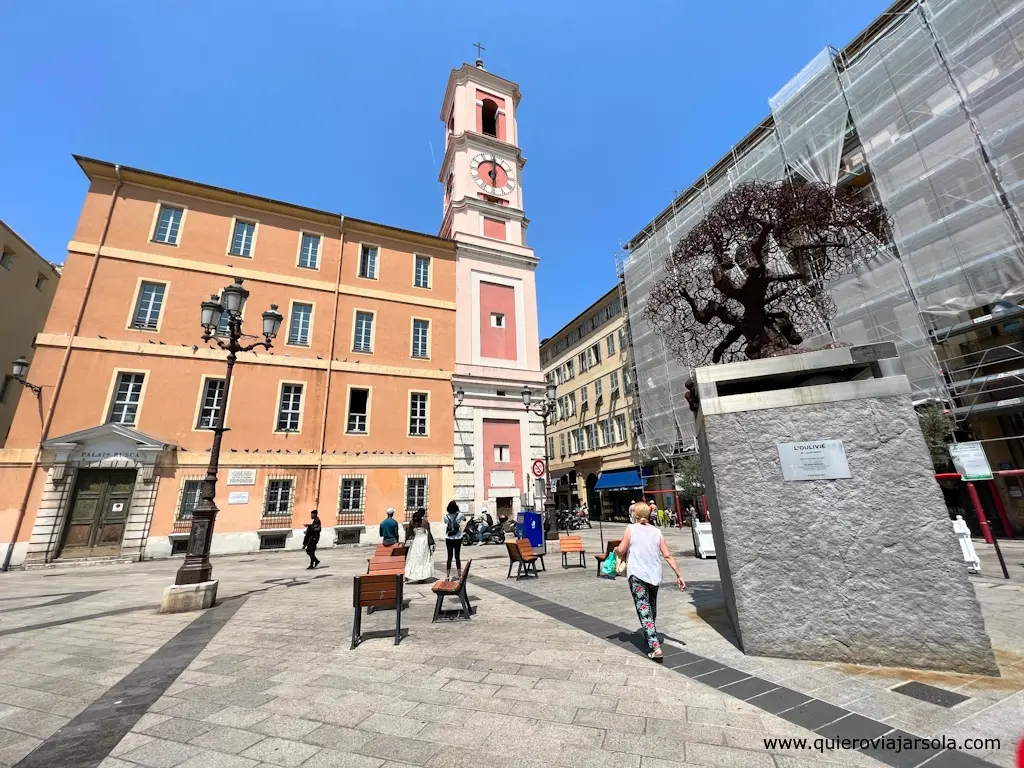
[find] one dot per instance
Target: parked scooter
(493, 534)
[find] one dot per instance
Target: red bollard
(982, 520)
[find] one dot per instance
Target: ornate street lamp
(196, 568)
(459, 395)
(544, 409)
(20, 371)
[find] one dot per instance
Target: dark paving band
(88, 738)
(827, 720)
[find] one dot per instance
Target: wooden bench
(607, 551)
(572, 544)
(393, 550)
(528, 552)
(527, 564)
(456, 588)
(376, 591)
(386, 565)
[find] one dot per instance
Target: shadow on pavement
(709, 603)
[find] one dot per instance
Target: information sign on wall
(238, 497)
(814, 460)
(241, 477)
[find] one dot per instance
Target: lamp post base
(181, 598)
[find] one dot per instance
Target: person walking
(453, 521)
(643, 547)
(311, 539)
(419, 561)
(389, 529)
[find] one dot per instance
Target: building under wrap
(924, 111)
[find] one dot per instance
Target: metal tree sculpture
(743, 282)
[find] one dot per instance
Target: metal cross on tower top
(479, 47)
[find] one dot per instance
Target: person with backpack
(453, 521)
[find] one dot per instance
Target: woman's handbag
(620, 566)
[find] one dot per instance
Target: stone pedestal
(188, 597)
(863, 568)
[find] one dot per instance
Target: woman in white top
(642, 547)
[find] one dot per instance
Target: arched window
(489, 118)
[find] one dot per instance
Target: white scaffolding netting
(810, 117)
(933, 107)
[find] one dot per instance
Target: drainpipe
(44, 434)
(330, 361)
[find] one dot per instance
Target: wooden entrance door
(99, 511)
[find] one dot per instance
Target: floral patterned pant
(645, 598)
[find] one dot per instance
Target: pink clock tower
(497, 343)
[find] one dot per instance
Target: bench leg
(541, 559)
(565, 562)
(398, 613)
(583, 560)
(510, 564)
(464, 599)
(437, 608)
(356, 626)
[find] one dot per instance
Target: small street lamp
(196, 568)
(20, 370)
(459, 395)
(544, 409)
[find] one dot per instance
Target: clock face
(493, 174)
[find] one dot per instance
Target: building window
(148, 306)
(561, 444)
(626, 381)
(421, 272)
(598, 391)
(309, 251)
(279, 498)
(590, 432)
(127, 394)
(560, 375)
(551, 446)
(415, 493)
(614, 377)
(572, 403)
(168, 223)
(420, 332)
(40, 281)
(577, 435)
(189, 498)
(7, 259)
(351, 500)
(620, 421)
(595, 355)
(368, 262)
(622, 337)
(290, 409)
(583, 397)
(502, 454)
(363, 338)
(418, 413)
(610, 344)
(568, 370)
(242, 238)
(299, 324)
(358, 411)
(497, 319)
(608, 431)
(489, 118)
(213, 401)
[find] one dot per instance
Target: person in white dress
(419, 560)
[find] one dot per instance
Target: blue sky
(335, 105)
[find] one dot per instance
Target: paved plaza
(548, 672)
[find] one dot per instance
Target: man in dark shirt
(389, 529)
(311, 539)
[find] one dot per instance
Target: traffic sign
(538, 468)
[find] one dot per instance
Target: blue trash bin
(532, 528)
